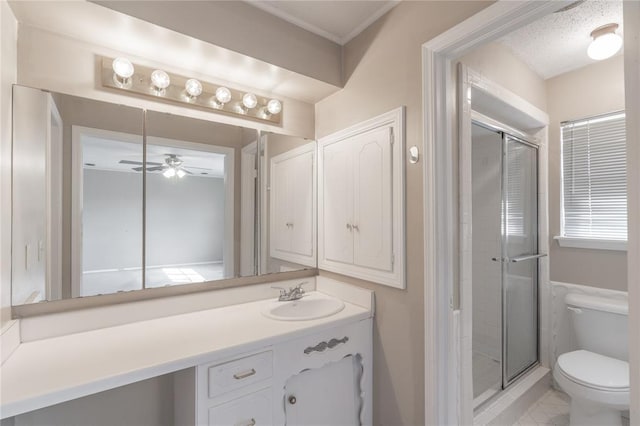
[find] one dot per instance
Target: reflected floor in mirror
(107, 282)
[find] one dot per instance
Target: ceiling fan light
(169, 173)
(181, 173)
(606, 42)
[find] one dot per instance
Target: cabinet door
(372, 169)
(280, 205)
(325, 396)
(301, 203)
(250, 410)
(337, 181)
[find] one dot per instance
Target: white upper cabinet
(361, 201)
(293, 206)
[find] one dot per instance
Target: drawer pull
(322, 346)
(240, 376)
(292, 400)
(251, 422)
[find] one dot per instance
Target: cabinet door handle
(244, 375)
(356, 228)
(349, 226)
(251, 422)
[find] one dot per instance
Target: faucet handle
(283, 290)
(299, 286)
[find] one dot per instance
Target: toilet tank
(600, 324)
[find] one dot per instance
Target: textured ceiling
(557, 43)
(336, 20)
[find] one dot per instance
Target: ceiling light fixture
(606, 42)
(121, 74)
(160, 80)
(169, 173)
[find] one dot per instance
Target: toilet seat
(594, 371)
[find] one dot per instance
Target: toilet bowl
(596, 376)
(598, 386)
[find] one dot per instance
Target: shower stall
(505, 257)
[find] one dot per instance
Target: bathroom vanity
(233, 364)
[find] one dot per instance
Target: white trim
(229, 192)
(76, 194)
(439, 201)
(53, 288)
(248, 186)
(394, 119)
(591, 243)
(632, 107)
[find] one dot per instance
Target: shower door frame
(506, 132)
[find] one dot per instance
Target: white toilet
(596, 376)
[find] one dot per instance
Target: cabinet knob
(349, 227)
(292, 400)
(356, 227)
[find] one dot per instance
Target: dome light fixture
(193, 88)
(274, 106)
(223, 95)
(160, 80)
(606, 42)
(123, 70)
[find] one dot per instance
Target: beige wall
(219, 22)
(595, 89)
(8, 76)
(383, 71)
(499, 64)
(145, 403)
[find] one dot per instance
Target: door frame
(443, 394)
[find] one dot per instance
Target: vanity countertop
(49, 371)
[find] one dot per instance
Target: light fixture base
(140, 84)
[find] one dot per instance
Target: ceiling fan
(172, 166)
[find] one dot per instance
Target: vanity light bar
(121, 74)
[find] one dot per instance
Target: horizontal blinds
(594, 178)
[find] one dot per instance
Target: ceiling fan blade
(199, 168)
(153, 169)
(186, 171)
(139, 162)
(137, 169)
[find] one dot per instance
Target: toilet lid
(595, 370)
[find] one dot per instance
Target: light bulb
(181, 173)
(160, 80)
(274, 106)
(606, 42)
(223, 95)
(170, 172)
(605, 46)
(193, 87)
(249, 100)
(122, 67)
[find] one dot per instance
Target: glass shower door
(520, 254)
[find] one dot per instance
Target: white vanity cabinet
(361, 199)
(320, 378)
(292, 200)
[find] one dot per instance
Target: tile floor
(552, 409)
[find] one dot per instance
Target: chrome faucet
(294, 293)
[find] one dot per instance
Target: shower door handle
(527, 257)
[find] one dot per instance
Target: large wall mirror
(109, 198)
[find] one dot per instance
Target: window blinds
(594, 178)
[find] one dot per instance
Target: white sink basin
(312, 306)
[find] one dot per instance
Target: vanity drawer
(251, 410)
(239, 373)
